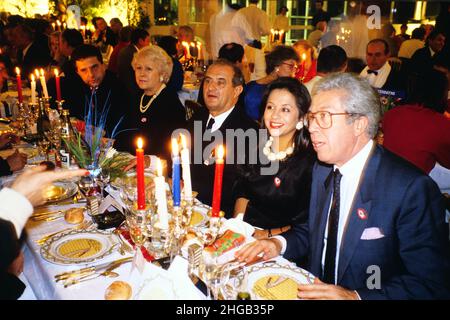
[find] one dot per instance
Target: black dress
(155, 125)
(279, 199)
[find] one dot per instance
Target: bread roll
(74, 215)
(118, 290)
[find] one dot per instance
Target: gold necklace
(144, 108)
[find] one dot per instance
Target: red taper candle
(140, 175)
(218, 178)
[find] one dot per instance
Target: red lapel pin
(362, 214)
(144, 120)
(277, 181)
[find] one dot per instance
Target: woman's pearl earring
(299, 125)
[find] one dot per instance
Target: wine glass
(209, 272)
(137, 226)
(44, 147)
(102, 180)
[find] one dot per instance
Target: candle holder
(46, 103)
(212, 232)
(59, 105)
(139, 224)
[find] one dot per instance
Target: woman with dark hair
(280, 62)
(418, 131)
(274, 193)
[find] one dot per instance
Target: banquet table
(147, 280)
(188, 92)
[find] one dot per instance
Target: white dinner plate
(78, 246)
(158, 287)
(285, 277)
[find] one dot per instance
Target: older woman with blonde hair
(158, 110)
(307, 68)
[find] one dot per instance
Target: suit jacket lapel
(359, 212)
(319, 218)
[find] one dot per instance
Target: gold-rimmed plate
(199, 215)
(78, 246)
(274, 281)
(60, 190)
(130, 179)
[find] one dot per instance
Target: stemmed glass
(138, 227)
(213, 274)
(207, 269)
(102, 180)
(44, 147)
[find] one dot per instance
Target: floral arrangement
(91, 150)
(389, 99)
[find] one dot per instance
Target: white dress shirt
(24, 51)
(377, 81)
(14, 207)
(218, 120)
(351, 173)
(257, 19)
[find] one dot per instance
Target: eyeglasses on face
(324, 118)
(290, 65)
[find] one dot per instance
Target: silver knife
(92, 269)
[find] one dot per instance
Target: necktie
(210, 124)
(19, 57)
(333, 223)
(372, 71)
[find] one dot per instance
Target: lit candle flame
(183, 141)
(18, 71)
(158, 167)
(220, 152)
(32, 77)
(174, 147)
(56, 72)
(140, 143)
(303, 56)
(36, 71)
(42, 72)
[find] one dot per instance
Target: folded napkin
(238, 225)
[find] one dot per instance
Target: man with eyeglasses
(376, 228)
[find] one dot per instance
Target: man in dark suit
(140, 38)
(424, 58)
(30, 54)
(16, 206)
(376, 226)
(221, 89)
(96, 88)
(378, 71)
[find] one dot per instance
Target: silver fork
(82, 226)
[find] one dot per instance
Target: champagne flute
(137, 225)
(209, 270)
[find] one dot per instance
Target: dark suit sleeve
(297, 242)
(423, 253)
(5, 170)
(10, 286)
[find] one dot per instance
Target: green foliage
(106, 158)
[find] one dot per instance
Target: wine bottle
(43, 122)
(67, 134)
